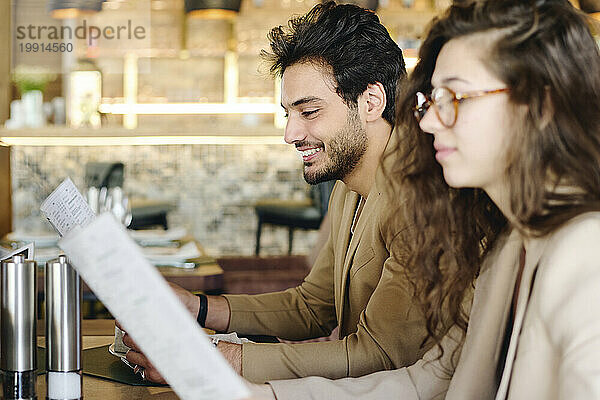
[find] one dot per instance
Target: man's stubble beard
(344, 151)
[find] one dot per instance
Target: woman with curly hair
(498, 163)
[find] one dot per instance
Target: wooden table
(205, 277)
(100, 333)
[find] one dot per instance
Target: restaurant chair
(306, 214)
(150, 213)
(104, 174)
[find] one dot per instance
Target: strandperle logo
(83, 31)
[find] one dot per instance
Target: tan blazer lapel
(486, 329)
(532, 259)
(363, 220)
(341, 248)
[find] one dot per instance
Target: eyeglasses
(445, 103)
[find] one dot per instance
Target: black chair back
(320, 194)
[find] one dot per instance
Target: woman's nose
(430, 123)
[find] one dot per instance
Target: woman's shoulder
(568, 274)
(577, 239)
(566, 287)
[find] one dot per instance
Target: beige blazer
(354, 284)
(554, 350)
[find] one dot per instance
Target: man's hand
(149, 373)
(231, 351)
(135, 356)
(258, 392)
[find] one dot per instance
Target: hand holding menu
(136, 294)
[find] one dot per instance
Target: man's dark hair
(347, 38)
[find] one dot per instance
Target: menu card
(66, 208)
(137, 295)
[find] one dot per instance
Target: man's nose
(294, 130)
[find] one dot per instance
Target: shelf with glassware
(235, 47)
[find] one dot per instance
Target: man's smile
(309, 154)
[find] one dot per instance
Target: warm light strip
(138, 140)
(190, 108)
(231, 82)
(70, 13)
(212, 14)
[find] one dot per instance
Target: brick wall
(214, 187)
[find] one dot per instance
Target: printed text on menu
(66, 208)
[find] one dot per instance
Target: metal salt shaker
(18, 322)
(63, 330)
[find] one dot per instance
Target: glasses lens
(443, 99)
(421, 106)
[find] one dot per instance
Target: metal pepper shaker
(18, 321)
(63, 330)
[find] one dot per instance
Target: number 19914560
(45, 47)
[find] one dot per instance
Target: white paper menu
(116, 270)
(66, 208)
(137, 295)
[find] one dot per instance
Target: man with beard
(339, 71)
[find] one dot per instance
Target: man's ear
(375, 99)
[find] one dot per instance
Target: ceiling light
(64, 9)
(212, 9)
